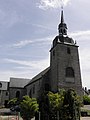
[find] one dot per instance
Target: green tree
(71, 105)
(12, 102)
(55, 103)
(44, 106)
(29, 107)
(86, 100)
(65, 104)
(55, 100)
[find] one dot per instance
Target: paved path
(6, 110)
(10, 118)
(86, 107)
(16, 118)
(85, 118)
(13, 117)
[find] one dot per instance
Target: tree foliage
(55, 103)
(86, 100)
(55, 100)
(71, 105)
(66, 103)
(29, 107)
(12, 102)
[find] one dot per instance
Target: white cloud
(6, 74)
(80, 33)
(22, 43)
(44, 27)
(45, 4)
(39, 65)
(25, 69)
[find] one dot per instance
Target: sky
(27, 29)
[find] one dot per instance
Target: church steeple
(62, 27)
(62, 18)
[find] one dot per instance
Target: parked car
(15, 108)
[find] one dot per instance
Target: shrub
(86, 100)
(29, 107)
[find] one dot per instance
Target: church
(63, 72)
(64, 69)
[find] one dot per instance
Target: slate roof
(18, 82)
(37, 77)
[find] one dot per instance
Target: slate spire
(62, 27)
(62, 17)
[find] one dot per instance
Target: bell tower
(64, 61)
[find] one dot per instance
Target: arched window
(6, 93)
(18, 94)
(0, 84)
(69, 72)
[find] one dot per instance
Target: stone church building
(63, 72)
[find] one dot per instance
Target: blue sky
(27, 29)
